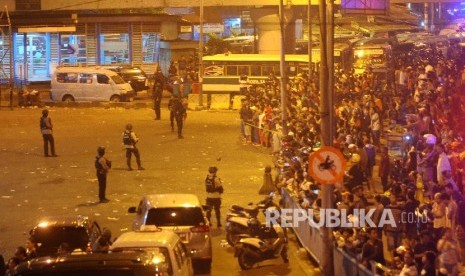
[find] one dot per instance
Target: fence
(311, 239)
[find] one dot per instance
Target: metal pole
(310, 34)
(283, 69)
(10, 38)
(326, 264)
(201, 55)
(330, 53)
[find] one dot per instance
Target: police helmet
(129, 126)
(45, 112)
(212, 169)
(101, 150)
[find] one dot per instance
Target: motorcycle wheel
(246, 260)
(232, 239)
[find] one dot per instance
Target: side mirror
(132, 210)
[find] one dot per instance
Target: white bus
(222, 72)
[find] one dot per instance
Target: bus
(222, 72)
(374, 55)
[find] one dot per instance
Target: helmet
(129, 126)
(101, 150)
(45, 112)
(212, 169)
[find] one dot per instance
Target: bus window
(267, 69)
(255, 70)
(243, 70)
(231, 70)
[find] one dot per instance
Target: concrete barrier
(220, 101)
(237, 101)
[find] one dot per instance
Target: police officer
(46, 128)
(102, 165)
(180, 114)
(171, 103)
(129, 140)
(214, 190)
(159, 82)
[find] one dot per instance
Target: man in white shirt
(443, 164)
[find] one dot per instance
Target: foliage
(216, 45)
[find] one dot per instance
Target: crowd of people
(421, 184)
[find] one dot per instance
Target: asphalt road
(34, 187)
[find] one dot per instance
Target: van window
(67, 77)
(117, 79)
(85, 78)
(103, 79)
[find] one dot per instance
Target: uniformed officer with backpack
(102, 165)
(179, 110)
(214, 190)
(129, 141)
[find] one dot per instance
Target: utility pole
(201, 55)
(282, 68)
(310, 34)
(327, 262)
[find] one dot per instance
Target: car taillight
(200, 229)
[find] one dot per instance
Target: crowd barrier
(220, 101)
(311, 239)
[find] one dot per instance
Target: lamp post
(201, 55)
(283, 69)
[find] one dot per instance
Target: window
(85, 78)
(114, 49)
(150, 46)
(231, 70)
(176, 216)
(243, 70)
(255, 70)
(67, 77)
(117, 79)
(72, 49)
(103, 79)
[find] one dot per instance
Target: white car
(169, 253)
(183, 214)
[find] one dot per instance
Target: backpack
(127, 140)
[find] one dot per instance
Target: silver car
(183, 214)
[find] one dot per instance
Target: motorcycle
(238, 217)
(271, 245)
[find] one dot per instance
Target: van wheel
(115, 99)
(68, 99)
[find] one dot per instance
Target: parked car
(134, 263)
(183, 214)
(78, 232)
(172, 254)
(133, 75)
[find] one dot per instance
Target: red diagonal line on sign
(331, 171)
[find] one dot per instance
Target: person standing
(130, 140)
(171, 103)
(102, 165)
(157, 92)
(214, 190)
(46, 128)
(180, 114)
(384, 167)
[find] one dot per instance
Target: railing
(311, 239)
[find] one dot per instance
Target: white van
(79, 84)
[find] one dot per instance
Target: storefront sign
(210, 28)
(186, 29)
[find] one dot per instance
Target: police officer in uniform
(46, 128)
(159, 82)
(214, 190)
(180, 114)
(102, 165)
(129, 140)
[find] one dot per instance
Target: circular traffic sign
(327, 165)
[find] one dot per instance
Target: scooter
(251, 251)
(237, 219)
